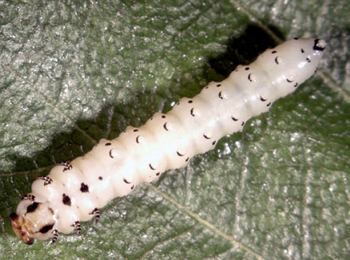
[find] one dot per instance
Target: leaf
(79, 71)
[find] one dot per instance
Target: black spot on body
(135, 130)
(273, 52)
(302, 50)
(32, 207)
(246, 68)
(100, 178)
(250, 77)
(165, 126)
(107, 144)
(152, 168)
(234, 119)
(138, 139)
(66, 200)
(220, 95)
(308, 60)
(84, 187)
(192, 114)
(163, 116)
(126, 181)
(218, 85)
(179, 154)
(190, 101)
(46, 228)
(110, 153)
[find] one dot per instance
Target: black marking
(190, 101)
(316, 70)
(158, 173)
(100, 178)
(67, 166)
(206, 137)
(220, 95)
(110, 153)
(213, 143)
(242, 123)
(308, 60)
(296, 38)
(165, 126)
(246, 68)
(262, 99)
(96, 212)
(218, 85)
(132, 187)
(55, 236)
(108, 144)
(302, 50)
(179, 154)
(84, 187)
(250, 77)
(163, 116)
(277, 60)
(47, 180)
(273, 52)
(187, 159)
(152, 168)
(296, 84)
(46, 228)
(289, 80)
(32, 207)
(51, 210)
(126, 181)
(192, 114)
(66, 200)
(317, 46)
(28, 197)
(138, 139)
(77, 227)
(268, 104)
(234, 118)
(135, 130)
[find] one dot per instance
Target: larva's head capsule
(33, 220)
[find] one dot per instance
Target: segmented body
(73, 192)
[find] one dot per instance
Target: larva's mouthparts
(74, 191)
(22, 228)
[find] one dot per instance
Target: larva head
(33, 220)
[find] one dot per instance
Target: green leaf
(74, 72)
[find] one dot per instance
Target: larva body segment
(73, 192)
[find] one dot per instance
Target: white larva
(73, 192)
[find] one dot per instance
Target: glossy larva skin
(73, 192)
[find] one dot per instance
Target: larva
(73, 192)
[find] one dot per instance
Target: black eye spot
(107, 144)
(246, 68)
(32, 207)
(100, 178)
(66, 200)
(46, 228)
(84, 187)
(302, 50)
